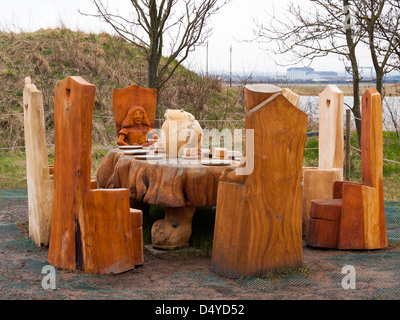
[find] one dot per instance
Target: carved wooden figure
(92, 230)
(258, 221)
(39, 177)
(317, 182)
(134, 114)
(355, 218)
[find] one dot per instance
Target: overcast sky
(231, 26)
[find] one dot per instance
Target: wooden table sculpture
(258, 222)
(134, 114)
(317, 182)
(180, 188)
(92, 230)
(355, 218)
(38, 172)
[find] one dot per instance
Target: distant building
(298, 73)
(309, 74)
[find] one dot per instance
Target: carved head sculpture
(136, 116)
(136, 128)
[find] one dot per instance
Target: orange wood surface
(325, 221)
(362, 218)
(125, 98)
(266, 229)
(169, 184)
(257, 93)
(91, 229)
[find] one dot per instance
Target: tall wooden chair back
(124, 99)
(38, 172)
(92, 230)
(258, 222)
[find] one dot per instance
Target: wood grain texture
(366, 203)
(325, 221)
(270, 216)
(257, 93)
(293, 97)
(179, 187)
(229, 240)
(331, 102)
(124, 99)
(39, 180)
(318, 182)
(362, 219)
(167, 184)
(91, 229)
(175, 230)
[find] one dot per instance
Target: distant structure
(298, 73)
(306, 74)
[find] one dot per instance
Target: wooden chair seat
(324, 221)
(355, 219)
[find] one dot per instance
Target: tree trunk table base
(175, 230)
(177, 186)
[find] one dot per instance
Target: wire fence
(232, 122)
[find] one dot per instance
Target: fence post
(348, 119)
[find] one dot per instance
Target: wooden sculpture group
(261, 217)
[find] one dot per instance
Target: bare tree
(325, 28)
(372, 16)
(388, 33)
(150, 22)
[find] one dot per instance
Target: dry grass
(314, 90)
(109, 62)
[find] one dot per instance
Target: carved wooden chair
(258, 217)
(257, 93)
(317, 182)
(124, 99)
(293, 97)
(93, 230)
(38, 172)
(355, 217)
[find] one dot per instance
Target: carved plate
(130, 147)
(149, 157)
(216, 162)
(136, 152)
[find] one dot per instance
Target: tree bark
(356, 109)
